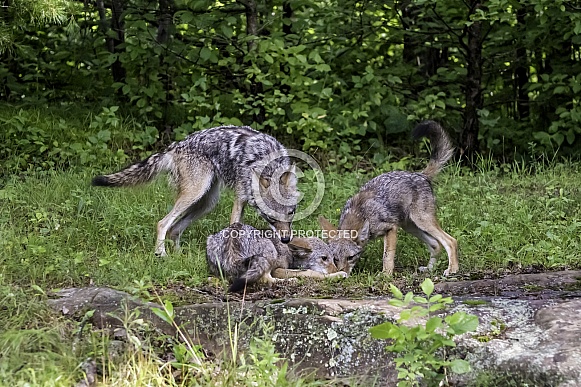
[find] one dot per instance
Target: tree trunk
(415, 52)
(521, 73)
(164, 34)
(251, 21)
(164, 21)
(473, 88)
(287, 13)
(6, 56)
(117, 24)
(409, 43)
(256, 88)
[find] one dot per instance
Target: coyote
(246, 255)
(395, 200)
(255, 165)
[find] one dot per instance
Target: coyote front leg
(237, 211)
(389, 243)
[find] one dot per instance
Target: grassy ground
(56, 231)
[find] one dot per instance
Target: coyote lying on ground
(246, 255)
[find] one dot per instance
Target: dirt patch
(530, 283)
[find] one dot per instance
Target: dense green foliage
(346, 77)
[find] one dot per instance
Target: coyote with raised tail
(394, 200)
(255, 165)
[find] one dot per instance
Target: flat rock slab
(534, 341)
(558, 284)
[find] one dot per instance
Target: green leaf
(398, 303)
(427, 287)
(381, 331)
(169, 308)
(577, 29)
(435, 307)
(560, 90)
(395, 291)
(205, 53)
(162, 315)
(433, 324)
(558, 138)
(448, 343)
(459, 366)
(570, 136)
(315, 57)
(38, 289)
(462, 322)
(405, 314)
(323, 67)
(227, 31)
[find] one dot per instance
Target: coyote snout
(283, 230)
(276, 203)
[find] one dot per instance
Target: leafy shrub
(33, 139)
(421, 348)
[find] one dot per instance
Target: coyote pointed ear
(302, 244)
(264, 182)
(289, 178)
(327, 226)
(363, 233)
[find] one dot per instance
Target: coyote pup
(395, 200)
(242, 254)
(253, 164)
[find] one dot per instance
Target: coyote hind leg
(431, 227)
(190, 192)
(433, 245)
(195, 211)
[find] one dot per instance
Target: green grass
(57, 230)
(37, 348)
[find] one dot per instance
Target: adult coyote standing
(395, 200)
(255, 165)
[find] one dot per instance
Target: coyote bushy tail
(442, 149)
(139, 173)
(257, 268)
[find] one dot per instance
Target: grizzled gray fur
(395, 200)
(255, 165)
(246, 255)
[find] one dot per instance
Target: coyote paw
(449, 271)
(339, 274)
(423, 269)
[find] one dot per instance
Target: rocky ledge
(529, 331)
